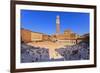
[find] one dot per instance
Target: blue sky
(45, 21)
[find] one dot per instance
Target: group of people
(36, 54)
(76, 52)
(33, 54)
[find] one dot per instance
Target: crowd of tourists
(33, 54)
(76, 52)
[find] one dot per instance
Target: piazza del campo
(58, 46)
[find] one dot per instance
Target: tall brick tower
(57, 24)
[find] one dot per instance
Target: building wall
(61, 37)
(66, 36)
(36, 36)
(46, 38)
(28, 36)
(25, 36)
